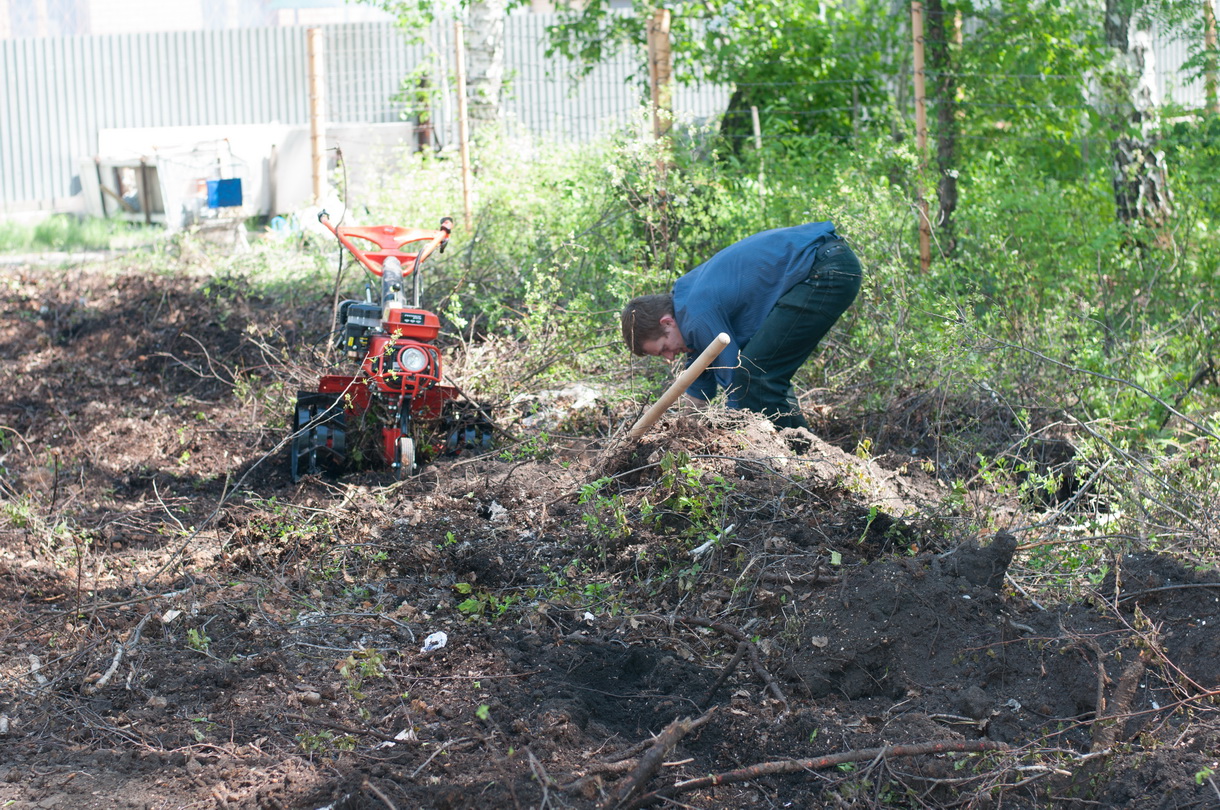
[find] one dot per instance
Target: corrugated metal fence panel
(366, 64)
(56, 94)
(1171, 80)
(543, 98)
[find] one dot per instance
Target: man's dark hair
(642, 319)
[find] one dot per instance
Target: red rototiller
(396, 399)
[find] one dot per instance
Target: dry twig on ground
(814, 764)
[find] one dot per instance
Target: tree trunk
(736, 125)
(944, 96)
(485, 74)
(1129, 100)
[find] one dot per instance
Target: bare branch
(815, 764)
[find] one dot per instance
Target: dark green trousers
(791, 332)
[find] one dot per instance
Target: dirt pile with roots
(719, 616)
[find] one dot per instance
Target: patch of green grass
(66, 232)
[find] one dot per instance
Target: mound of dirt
(721, 615)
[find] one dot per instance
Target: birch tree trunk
(485, 73)
(939, 29)
(1129, 99)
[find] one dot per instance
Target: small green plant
(324, 742)
(359, 667)
(606, 515)
(197, 640)
(536, 448)
(200, 726)
(597, 590)
(483, 604)
(692, 503)
(873, 511)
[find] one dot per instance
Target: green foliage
(1192, 148)
(360, 667)
(686, 501)
(324, 742)
(1021, 89)
(481, 603)
(197, 640)
(808, 66)
(605, 514)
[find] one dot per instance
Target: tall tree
(940, 31)
(810, 66)
(1129, 100)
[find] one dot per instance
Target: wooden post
(101, 187)
(317, 113)
(679, 387)
(463, 123)
(660, 72)
(272, 168)
(855, 109)
(1209, 41)
(145, 192)
(921, 137)
(762, 189)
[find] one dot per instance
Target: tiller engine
(397, 389)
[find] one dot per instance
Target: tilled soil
(718, 617)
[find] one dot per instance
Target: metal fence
(56, 94)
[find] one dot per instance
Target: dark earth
(731, 618)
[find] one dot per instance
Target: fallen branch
(815, 764)
(812, 578)
(1106, 726)
(96, 686)
(650, 763)
(725, 673)
(119, 649)
(1182, 586)
(595, 771)
(443, 746)
(751, 648)
(371, 788)
(36, 670)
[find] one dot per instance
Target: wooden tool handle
(679, 387)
